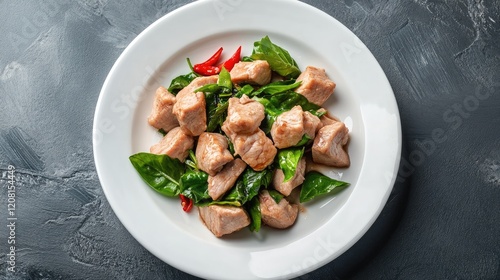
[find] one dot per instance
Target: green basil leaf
(285, 101)
(317, 184)
(191, 162)
(218, 202)
(181, 82)
(249, 184)
(161, 172)
(247, 59)
(162, 131)
(237, 193)
(225, 79)
(211, 101)
(305, 139)
(209, 88)
(277, 87)
(253, 209)
(278, 103)
(194, 185)
(277, 196)
(288, 159)
(216, 111)
(278, 58)
(245, 90)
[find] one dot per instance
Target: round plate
(327, 226)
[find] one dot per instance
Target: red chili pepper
(186, 203)
(213, 59)
(229, 64)
(207, 68)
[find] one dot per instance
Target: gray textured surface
(442, 58)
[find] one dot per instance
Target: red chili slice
(186, 203)
(213, 59)
(206, 70)
(229, 64)
(208, 67)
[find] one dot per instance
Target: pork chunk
(277, 215)
(212, 152)
(223, 181)
(288, 128)
(311, 124)
(190, 107)
(161, 116)
(327, 120)
(255, 72)
(176, 144)
(286, 188)
(315, 86)
(328, 146)
(255, 149)
(221, 220)
(244, 115)
(291, 126)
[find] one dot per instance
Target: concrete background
(442, 59)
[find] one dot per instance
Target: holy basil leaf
(277, 87)
(281, 102)
(216, 98)
(277, 196)
(247, 59)
(253, 209)
(225, 79)
(245, 90)
(316, 184)
(211, 101)
(288, 160)
(216, 115)
(278, 58)
(191, 162)
(249, 184)
(162, 131)
(194, 185)
(287, 100)
(254, 180)
(209, 88)
(181, 82)
(218, 202)
(160, 172)
(237, 193)
(305, 139)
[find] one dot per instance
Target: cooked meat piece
(190, 106)
(327, 120)
(255, 149)
(277, 215)
(328, 145)
(161, 115)
(225, 179)
(286, 188)
(244, 115)
(255, 72)
(315, 86)
(212, 152)
(288, 128)
(311, 124)
(176, 144)
(221, 220)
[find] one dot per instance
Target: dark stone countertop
(442, 58)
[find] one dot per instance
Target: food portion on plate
(242, 137)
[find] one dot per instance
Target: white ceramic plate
(363, 99)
